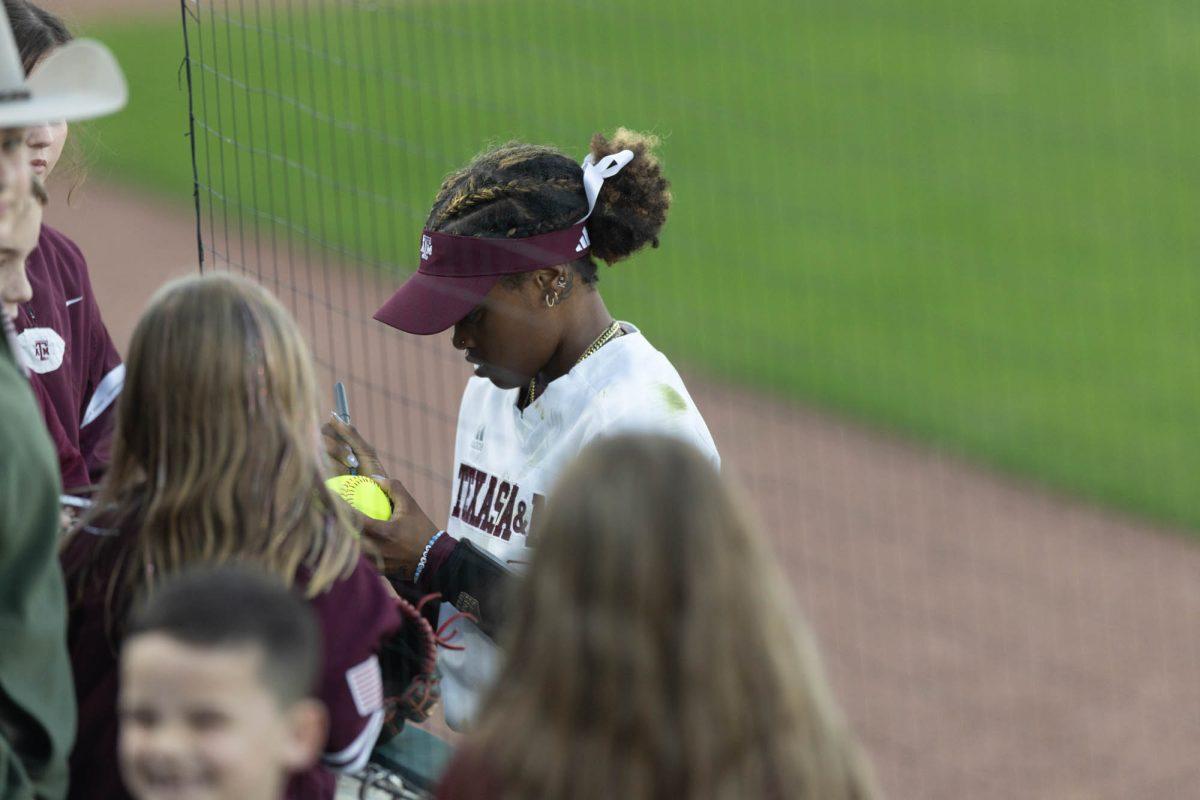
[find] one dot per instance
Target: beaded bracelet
(425, 556)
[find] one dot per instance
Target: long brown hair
(216, 455)
(654, 650)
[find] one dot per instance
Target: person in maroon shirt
(77, 370)
(37, 708)
(27, 232)
(655, 651)
(217, 676)
(216, 457)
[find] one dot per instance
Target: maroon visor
(456, 272)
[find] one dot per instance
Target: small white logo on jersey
(42, 348)
(74, 300)
(477, 444)
(426, 248)
(584, 242)
(366, 686)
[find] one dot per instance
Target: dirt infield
(77, 11)
(988, 640)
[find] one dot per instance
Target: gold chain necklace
(610, 333)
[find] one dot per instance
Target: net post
(187, 63)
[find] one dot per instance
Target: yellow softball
(363, 494)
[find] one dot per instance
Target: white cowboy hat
(79, 80)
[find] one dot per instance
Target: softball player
(507, 261)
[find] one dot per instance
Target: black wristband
(475, 583)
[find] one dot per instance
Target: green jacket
(37, 697)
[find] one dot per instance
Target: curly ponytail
(518, 190)
(633, 204)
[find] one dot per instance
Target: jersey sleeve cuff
(438, 555)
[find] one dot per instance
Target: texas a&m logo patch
(42, 349)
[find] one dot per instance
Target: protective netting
(929, 276)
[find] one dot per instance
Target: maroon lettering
(471, 512)
(495, 510)
(519, 523)
(41, 349)
(469, 516)
(466, 476)
(502, 526)
(485, 508)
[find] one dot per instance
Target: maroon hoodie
(77, 372)
(356, 614)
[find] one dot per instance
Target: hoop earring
(551, 300)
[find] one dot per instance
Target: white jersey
(507, 461)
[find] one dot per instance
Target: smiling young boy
(217, 675)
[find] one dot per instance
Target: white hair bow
(595, 173)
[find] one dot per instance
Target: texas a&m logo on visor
(426, 248)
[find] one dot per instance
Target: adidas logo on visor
(584, 242)
(427, 248)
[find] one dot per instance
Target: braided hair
(518, 190)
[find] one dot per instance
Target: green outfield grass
(977, 223)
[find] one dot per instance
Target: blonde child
(216, 458)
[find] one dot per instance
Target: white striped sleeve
(355, 756)
(106, 392)
(364, 682)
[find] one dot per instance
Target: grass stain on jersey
(672, 398)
